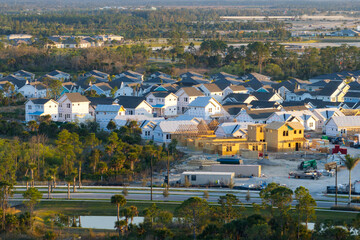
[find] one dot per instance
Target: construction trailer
(239, 170)
(207, 178)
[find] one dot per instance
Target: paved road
(174, 195)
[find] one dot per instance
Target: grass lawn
(84, 208)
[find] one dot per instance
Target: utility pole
(168, 170)
(336, 184)
(151, 181)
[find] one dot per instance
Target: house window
(193, 177)
(68, 105)
(29, 107)
(228, 148)
(168, 136)
(284, 133)
(294, 131)
(150, 100)
(60, 114)
(289, 144)
(311, 124)
(185, 99)
(210, 109)
(67, 116)
(299, 131)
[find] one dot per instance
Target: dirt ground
(279, 173)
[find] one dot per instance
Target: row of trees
(196, 218)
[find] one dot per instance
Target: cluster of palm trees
(128, 212)
(350, 163)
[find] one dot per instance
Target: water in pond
(103, 222)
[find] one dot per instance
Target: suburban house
(223, 75)
(298, 95)
(33, 90)
(98, 75)
(132, 74)
(206, 108)
(342, 125)
(305, 117)
(95, 101)
(191, 81)
(105, 113)
(147, 129)
(234, 89)
(36, 108)
(24, 75)
(191, 74)
(159, 80)
(254, 116)
(211, 90)
(135, 105)
(126, 79)
(284, 136)
(324, 114)
(73, 107)
(231, 130)
(15, 81)
(165, 129)
(265, 96)
(62, 76)
(265, 80)
(332, 92)
(159, 74)
(163, 103)
(185, 96)
(285, 87)
(102, 88)
(234, 98)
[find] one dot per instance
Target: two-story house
(105, 113)
(234, 89)
(62, 76)
(135, 105)
(35, 108)
(185, 96)
(73, 107)
(284, 136)
(163, 103)
(206, 108)
(211, 90)
(33, 90)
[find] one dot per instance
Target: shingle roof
(108, 108)
(212, 87)
(56, 72)
(76, 97)
(263, 96)
(233, 109)
(263, 104)
(237, 88)
(160, 80)
(257, 76)
(174, 126)
(94, 101)
(192, 80)
(160, 94)
(40, 100)
(347, 121)
(200, 102)
(237, 97)
(103, 86)
(14, 80)
(261, 114)
(130, 101)
(191, 91)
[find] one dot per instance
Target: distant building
(35, 108)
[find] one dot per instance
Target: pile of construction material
(317, 144)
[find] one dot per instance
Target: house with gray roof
(135, 105)
(185, 96)
(163, 103)
(207, 108)
(342, 126)
(24, 75)
(38, 107)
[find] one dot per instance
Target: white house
(163, 103)
(305, 117)
(254, 116)
(62, 76)
(35, 108)
(147, 129)
(100, 88)
(211, 90)
(231, 130)
(234, 89)
(185, 96)
(73, 107)
(298, 95)
(33, 90)
(24, 75)
(135, 105)
(206, 108)
(105, 113)
(165, 129)
(133, 74)
(324, 114)
(342, 125)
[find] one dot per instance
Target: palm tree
(119, 201)
(350, 163)
(49, 178)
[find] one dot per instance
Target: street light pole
(151, 181)
(336, 184)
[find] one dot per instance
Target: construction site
(252, 165)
